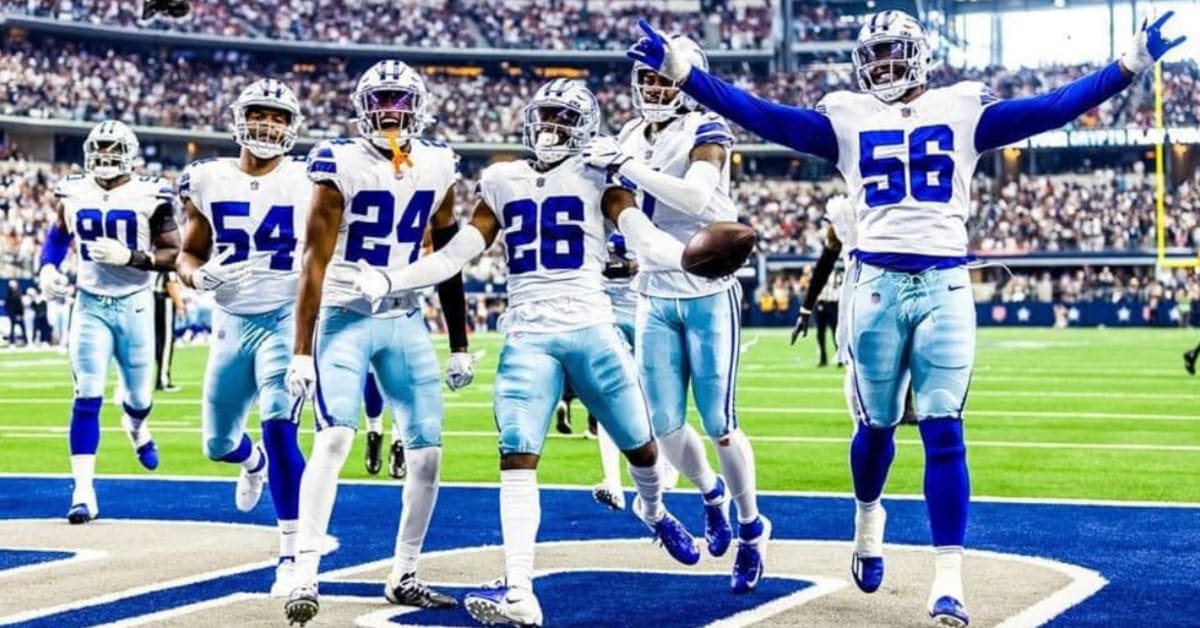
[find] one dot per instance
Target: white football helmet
(391, 99)
(110, 150)
(649, 98)
(886, 40)
(560, 119)
(266, 140)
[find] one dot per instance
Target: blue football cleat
(671, 534)
(717, 530)
(148, 455)
(142, 442)
(502, 604)
(867, 572)
(947, 611)
(748, 565)
(80, 513)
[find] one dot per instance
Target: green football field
(1097, 414)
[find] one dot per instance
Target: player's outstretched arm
(643, 238)
(690, 193)
(800, 129)
(466, 245)
(1008, 121)
(820, 276)
(324, 220)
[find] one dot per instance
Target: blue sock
(871, 453)
(947, 485)
(287, 465)
(372, 400)
(85, 425)
(243, 451)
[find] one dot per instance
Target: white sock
(287, 538)
(649, 489)
(947, 573)
(684, 449)
(668, 473)
(420, 495)
(737, 465)
(257, 457)
(83, 470)
(318, 490)
(610, 459)
(138, 432)
(375, 424)
(520, 516)
(866, 543)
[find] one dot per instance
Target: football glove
(109, 251)
(301, 376)
(53, 282)
(371, 282)
(605, 152)
(1149, 45)
(655, 51)
(460, 370)
(215, 273)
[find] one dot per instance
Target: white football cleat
(866, 565)
(250, 484)
(285, 578)
(502, 604)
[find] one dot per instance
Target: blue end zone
(1147, 554)
(11, 559)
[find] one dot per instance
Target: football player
(373, 198)
(126, 229)
(559, 324)
(242, 241)
(907, 152)
(689, 327)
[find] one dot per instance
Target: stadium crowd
(541, 24)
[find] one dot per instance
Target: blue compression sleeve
(1008, 121)
(797, 128)
(54, 251)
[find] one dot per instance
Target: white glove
(301, 376)
(53, 282)
(215, 273)
(109, 251)
(371, 282)
(460, 370)
(605, 152)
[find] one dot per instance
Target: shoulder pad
(710, 129)
(974, 90)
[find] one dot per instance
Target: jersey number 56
(929, 177)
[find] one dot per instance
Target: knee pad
(218, 447)
(515, 440)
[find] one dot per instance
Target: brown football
(718, 249)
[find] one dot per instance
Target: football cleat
(717, 531)
(866, 564)
(374, 456)
(81, 513)
(671, 534)
(142, 443)
(501, 604)
(1189, 362)
(562, 418)
(614, 499)
(396, 466)
(748, 565)
(408, 591)
(592, 432)
(302, 605)
(285, 576)
(250, 484)
(947, 611)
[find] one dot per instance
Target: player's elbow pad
(436, 268)
(648, 241)
(690, 194)
(54, 251)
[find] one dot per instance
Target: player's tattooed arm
(643, 238)
(324, 220)
(451, 292)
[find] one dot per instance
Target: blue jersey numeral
(93, 224)
(921, 165)
(363, 239)
(561, 244)
(276, 233)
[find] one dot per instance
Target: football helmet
(392, 103)
(266, 140)
(110, 150)
(650, 88)
(891, 55)
(560, 120)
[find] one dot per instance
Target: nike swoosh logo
(953, 288)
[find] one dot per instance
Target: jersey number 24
(928, 177)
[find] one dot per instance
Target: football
(718, 249)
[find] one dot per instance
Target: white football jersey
(552, 225)
(124, 213)
(908, 166)
(669, 151)
(842, 217)
(385, 214)
(263, 215)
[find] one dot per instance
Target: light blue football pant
(905, 325)
(602, 372)
(626, 324)
(696, 341)
(406, 369)
(103, 328)
(248, 356)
